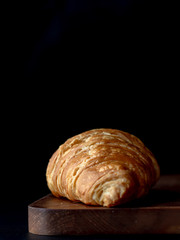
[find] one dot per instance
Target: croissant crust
(102, 167)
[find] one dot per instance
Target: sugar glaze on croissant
(102, 167)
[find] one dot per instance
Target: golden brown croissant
(102, 167)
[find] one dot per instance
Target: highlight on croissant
(103, 166)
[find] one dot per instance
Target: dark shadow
(105, 237)
(156, 197)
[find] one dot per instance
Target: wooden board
(157, 213)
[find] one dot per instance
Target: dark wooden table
(14, 221)
(156, 213)
(15, 227)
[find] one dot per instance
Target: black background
(77, 65)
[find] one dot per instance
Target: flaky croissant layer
(102, 167)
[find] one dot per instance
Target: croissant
(104, 167)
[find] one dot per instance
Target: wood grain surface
(156, 213)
